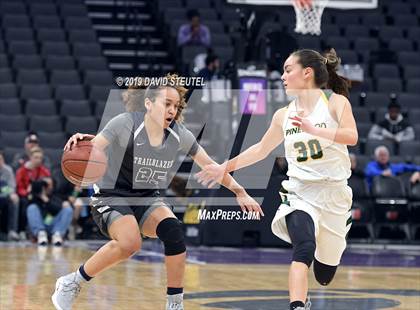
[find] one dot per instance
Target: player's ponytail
(335, 82)
(325, 69)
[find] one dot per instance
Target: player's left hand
(303, 123)
(248, 204)
(211, 174)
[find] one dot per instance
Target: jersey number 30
(314, 149)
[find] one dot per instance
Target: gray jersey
(135, 168)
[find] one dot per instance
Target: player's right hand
(74, 138)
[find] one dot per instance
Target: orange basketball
(84, 164)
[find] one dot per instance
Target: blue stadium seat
(45, 123)
(377, 19)
(27, 62)
(406, 20)
(356, 31)
(8, 91)
(54, 35)
(347, 18)
(386, 33)
(374, 100)
(389, 85)
(65, 77)
(386, 71)
(413, 86)
(348, 56)
(85, 36)
(44, 107)
(361, 115)
(87, 49)
(13, 138)
(411, 72)
(33, 76)
(53, 140)
(42, 9)
(409, 101)
(92, 63)
(10, 106)
(40, 92)
(398, 8)
(338, 42)
(55, 48)
(372, 144)
(192, 4)
(366, 44)
(311, 42)
(16, 21)
(12, 122)
(73, 10)
(408, 58)
(98, 77)
(54, 62)
(77, 23)
(46, 21)
(12, 7)
(75, 108)
(19, 34)
(400, 44)
(70, 92)
(4, 62)
(6, 76)
(22, 48)
(414, 116)
(99, 93)
(85, 124)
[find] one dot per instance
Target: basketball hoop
(309, 15)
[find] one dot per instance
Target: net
(309, 15)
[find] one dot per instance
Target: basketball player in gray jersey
(142, 147)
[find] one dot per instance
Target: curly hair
(133, 99)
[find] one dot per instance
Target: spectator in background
(211, 69)
(47, 214)
(9, 200)
(394, 127)
(193, 33)
(32, 170)
(355, 169)
(31, 141)
(382, 166)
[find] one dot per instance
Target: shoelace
(73, 288)
(175, 306)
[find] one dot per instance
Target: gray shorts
(104, 213)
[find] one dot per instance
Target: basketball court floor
(216, 278)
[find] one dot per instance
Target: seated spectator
(31, 141)
(211, 69)
(394, 127)
(32, 170)
(48, 214)
(9, 200)
(382, 166)
(193, 33)
(355, 169)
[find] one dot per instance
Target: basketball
(84, 164)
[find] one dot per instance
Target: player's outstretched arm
(271, 139)
(246, 202)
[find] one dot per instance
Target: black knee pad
(170, 232)
(304, 252)
(324, 273)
